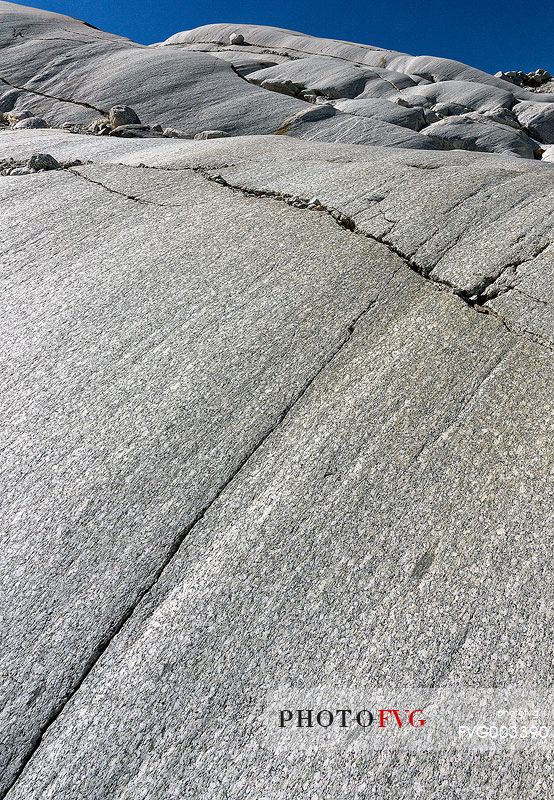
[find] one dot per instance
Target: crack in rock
(473, 298)
(476, 297)
(485, 290)
(346, 222)
(102, 646)
(109, 189)
(81, 103)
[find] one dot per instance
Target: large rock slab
(324, 123)
(459, 97)
(299, 45)
(278, 409)
(474, 132)
(365, 489)
(128, 432)
(537, 119)
(138, 381)
(463, 219)
(66, 72)
(328, 78)
(384, 110)
(194, 91)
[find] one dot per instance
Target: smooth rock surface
(326, 124)
(277, 409)
(537, 119)
(149, 366)
(31, 122)
(474, 132)
(69, 73)
(384, 110)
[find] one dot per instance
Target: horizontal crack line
(103, 646)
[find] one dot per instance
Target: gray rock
(421, 69)
(325, 123)
(461, 96)
(517, 77)
(175, 133)
(136, 131)
(9, 99)
(22, 171)
(475, 132)
(541, 76)
(99, 127)
(244, 62)
(122, 115)
(520, 78)
(285, 87)
(211, 135)
(430, 116)
(59, 57)
(279, 444)
(13, 117)
(397, 99)
(236, 38)
(72, 128)
(31, 122)
(537, 119)
(449, 109)
(42, 161)
(330, 78)
(384, 110)
(370, 407)
(504, 116)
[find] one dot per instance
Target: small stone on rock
(123, 115)
(175, 133)
(236, 38)
(14, 117)
(135, 131)
(22, 171)
(99, 126)
(211, 135)
(32, 122)
(42, 161)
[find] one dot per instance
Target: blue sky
(490, 34)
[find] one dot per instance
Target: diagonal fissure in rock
(486, 290)
(111, 190)
(81, 103)
(105, 643)
(475, 297)
(343, 220)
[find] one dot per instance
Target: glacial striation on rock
(277, 388)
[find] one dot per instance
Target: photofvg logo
(346, 717)
(414, 719)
